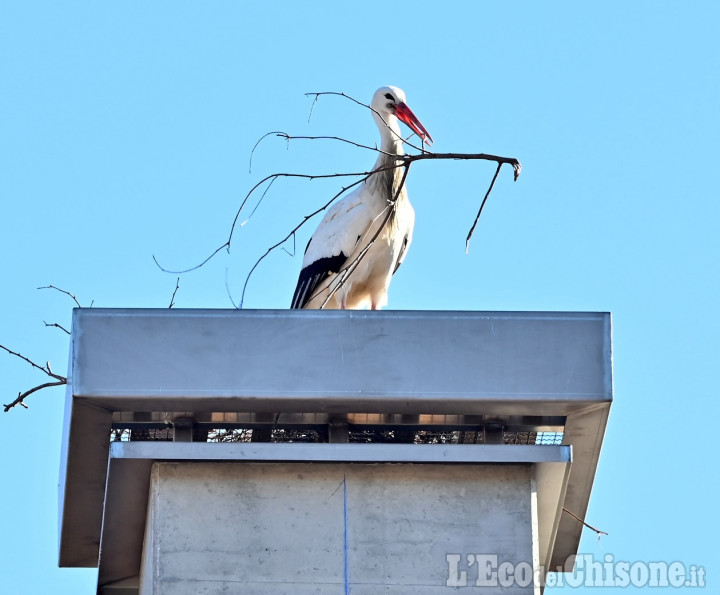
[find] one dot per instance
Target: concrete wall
(267, 528)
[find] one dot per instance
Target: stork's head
(389, 103)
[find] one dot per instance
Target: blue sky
(126, 130)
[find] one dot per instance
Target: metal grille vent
(361, 436)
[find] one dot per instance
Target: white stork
(348, 263)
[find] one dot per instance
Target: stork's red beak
(405, 115)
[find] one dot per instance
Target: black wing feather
(312, 275)
(401, 255)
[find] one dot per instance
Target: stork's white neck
(390, 136)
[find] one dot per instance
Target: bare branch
(56, 325)
(227, 290)
(482, 204)
(306, 218)
(263, 137)
(21, 396)
(516, 165)
(312, 107)
(293, 248)
(172, 298)
(289, 137)
(62, 291)
(193, 268)
(365, 105)
(577, 518)
(271, 178)
(46, 369)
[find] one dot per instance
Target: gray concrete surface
(303, 527)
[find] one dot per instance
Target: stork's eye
(390, 97)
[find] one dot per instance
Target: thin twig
(284, 249)
(312, 106)
(373, 110)
(227, 289)
(174, 293)
(577, 518)
(516, 165)
(62, 291)
(482, 204)
(56, 325)
(45, 369)
(271, 178)
(289, 137)
(425, 155)
(262, 197)
(252, 153)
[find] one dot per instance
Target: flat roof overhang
(540, 364)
